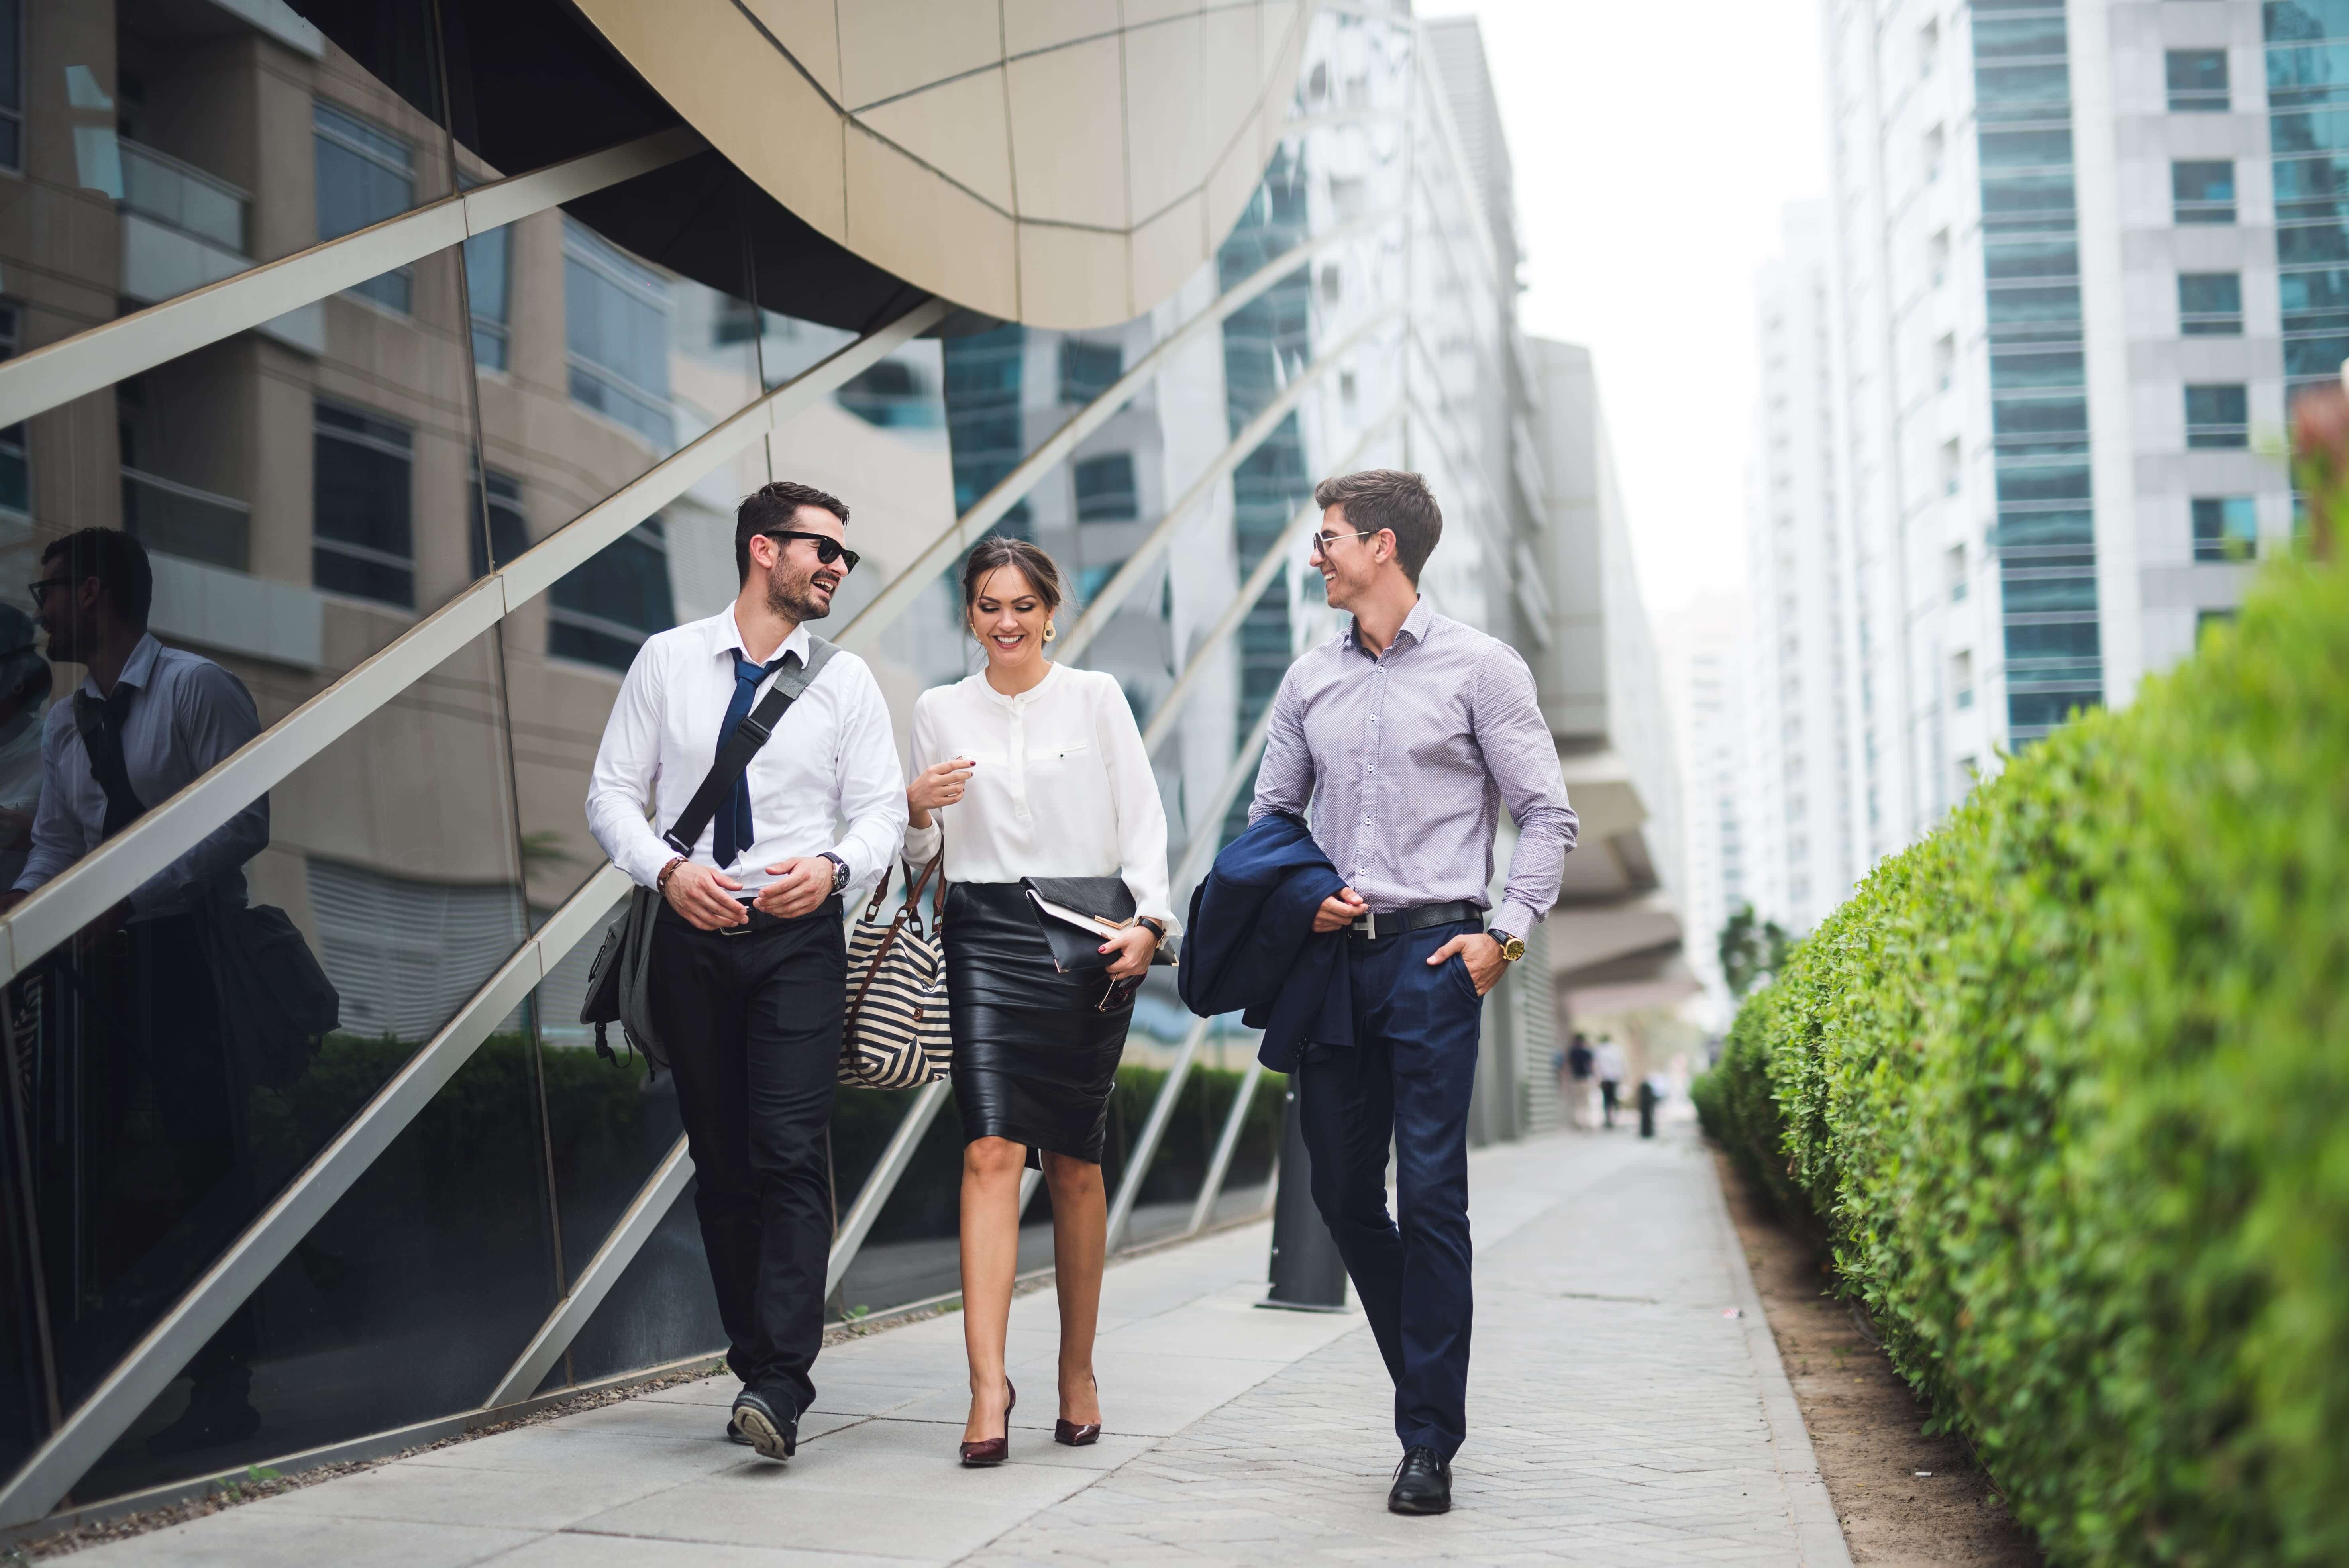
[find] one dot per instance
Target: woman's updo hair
(994, 552)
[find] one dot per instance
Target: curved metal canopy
(1066, 163)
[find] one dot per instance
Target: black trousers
(1408, 1078)
(752, 1024)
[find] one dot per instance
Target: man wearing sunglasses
(749, 968)
(1405, 734)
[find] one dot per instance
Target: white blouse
(1062, 786)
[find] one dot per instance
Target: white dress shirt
(1062, 788)
(188, 714)
(832, 760)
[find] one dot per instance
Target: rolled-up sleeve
(1522, 758)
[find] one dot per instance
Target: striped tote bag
(897, 1036)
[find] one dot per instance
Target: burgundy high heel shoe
(1068, 1434)
(993, 1451)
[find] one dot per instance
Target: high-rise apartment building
(2078, 256)
(1797, 796)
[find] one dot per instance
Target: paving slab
(1626, 1407)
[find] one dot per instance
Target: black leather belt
(760, 919)
(1396, 921)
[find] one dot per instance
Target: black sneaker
(735, 1434)
(1422, 1484)
(774, 1435)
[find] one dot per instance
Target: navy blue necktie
(734, 824)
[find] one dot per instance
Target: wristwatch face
(1513, 948)
(838, 873)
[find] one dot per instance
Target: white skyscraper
(1801, 851)
(2078, 255)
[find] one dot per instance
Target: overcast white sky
(1655, 146)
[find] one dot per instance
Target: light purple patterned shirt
(1406, 760)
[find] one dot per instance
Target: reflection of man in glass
(157, 1147)
(24, 700)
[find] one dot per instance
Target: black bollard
(1646, 1109)
(1308, 1275)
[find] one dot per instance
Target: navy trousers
(1408, 1079)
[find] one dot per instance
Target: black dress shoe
(1422, 1484)
(774, 1435)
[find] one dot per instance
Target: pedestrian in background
(750, 982)
(1612, 1070)
(1577, 1068)
(1404, 736)
(1040, 771)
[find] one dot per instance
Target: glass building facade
(2308, 128)
(370, 504)
(2044, 537)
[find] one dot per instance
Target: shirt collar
(138, 670)
(726, 637)
(1414, 626)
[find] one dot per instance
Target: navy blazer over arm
(1250, 945)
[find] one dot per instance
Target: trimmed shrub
(2068, 1085)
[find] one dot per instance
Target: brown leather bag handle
(911, 906)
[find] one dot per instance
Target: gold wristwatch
(1511, 947)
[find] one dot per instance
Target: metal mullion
(71, 900)
(898, 595)
(1225, 1145)
(56, 374)
(1275, 556)
(1258, 430)
(1145, 1148)
(581, 1297)
(141, 1374)
(894, 1161)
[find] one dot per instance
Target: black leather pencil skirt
(1035, 1058)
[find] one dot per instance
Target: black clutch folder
(1078, 914)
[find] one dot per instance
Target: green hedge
(2068, 1085)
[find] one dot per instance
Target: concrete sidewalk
(1618, 1416)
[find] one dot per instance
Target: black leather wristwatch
(839, 870)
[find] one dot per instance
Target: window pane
(362, 470)
(2198, 81)
(1089, 369)
(603, 610)
(985, 379)
(2210, 303)
(1105, 489)
(2226, 528)
(2216, 416)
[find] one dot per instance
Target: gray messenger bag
(619, 983)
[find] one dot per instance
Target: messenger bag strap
(734, 756)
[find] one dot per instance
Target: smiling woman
(1042, 769)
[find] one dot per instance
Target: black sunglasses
(45, 585)
(827, 549)
(1322, 541)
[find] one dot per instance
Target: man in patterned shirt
(1405, 734)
